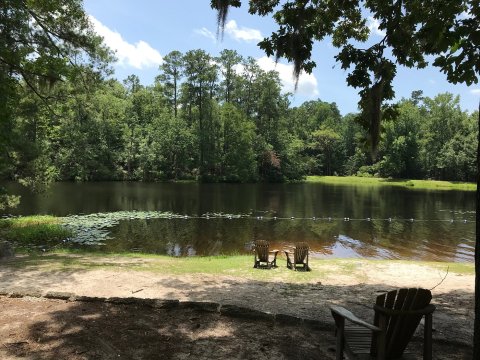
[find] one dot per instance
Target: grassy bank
(34, 230)
(415, 184)
(235, 266)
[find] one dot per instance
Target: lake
(336, 220)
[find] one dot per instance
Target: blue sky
(143, 31)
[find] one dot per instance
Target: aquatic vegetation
(23, 221)
(40, 234)
(94, 229)
(30, 232)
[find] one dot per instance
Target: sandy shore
(355, 289)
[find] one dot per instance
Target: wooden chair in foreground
(262, 255)
(300, 257)
(397, 315)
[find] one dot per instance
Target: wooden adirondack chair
(300, 257)
(397, 315)
(262, 255)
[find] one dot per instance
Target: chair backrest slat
(387, 301)
(301, 252)
(380, 302)
(416, 299)
(398, 304)
(261, 247)
(400, 328)
(396, 338)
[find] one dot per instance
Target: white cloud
(373, 25)
(139, 55)
(466, 15)
(242, 33)
(475, 91)
(307, 83)
(206, 33)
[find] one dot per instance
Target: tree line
(225, 119)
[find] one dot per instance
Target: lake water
(350, 221)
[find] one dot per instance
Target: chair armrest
(273, 253)
(344, 313)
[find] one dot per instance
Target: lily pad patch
(94, 229)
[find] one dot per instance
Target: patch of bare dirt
(55, 329)
(38, 328)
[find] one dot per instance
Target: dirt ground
(40, 328)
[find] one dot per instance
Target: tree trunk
(201, 137)
(130, 154)
(175, 93)
(476, 326)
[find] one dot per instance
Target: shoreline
(213, 264)
(353, 284)
(420, 184)
(405, 183)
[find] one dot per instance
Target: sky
(142, 32)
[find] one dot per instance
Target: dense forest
(224, 119)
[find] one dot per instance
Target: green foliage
(228, 59)
(31, 231)
(292, 159)
(40, 234)
(228, 126)
(400, 147)
(128, 131)
(354, 163)
(238, 156)
(450, 139)
(172, 72)
(171, 148)
(42, 45)
(447, 31)
(325, 142)
(204, 118)
(8, 201)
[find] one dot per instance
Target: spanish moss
(222, 8)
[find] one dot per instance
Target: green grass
(238, 266)
(28, 221)
(37, 234)
(371, 181)
(457, 268)
(33, 230)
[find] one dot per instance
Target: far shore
(411, 184)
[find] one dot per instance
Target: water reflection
(375, 239)
(434, 239)
(177, 250)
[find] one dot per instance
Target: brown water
(389, 234)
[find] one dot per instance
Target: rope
(209, 216)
